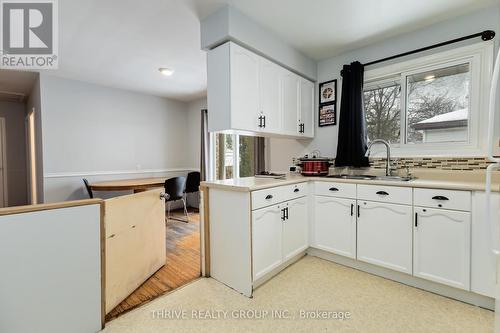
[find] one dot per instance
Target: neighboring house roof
(452, 119)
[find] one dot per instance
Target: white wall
(194, 130)
(17, 187)
(104, 133)
(282, 150)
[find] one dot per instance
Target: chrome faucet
(388, 168)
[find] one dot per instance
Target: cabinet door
(385, 235)
(295, 228)
(290, 89)
(244, 89)
(483, 260)
(334, 225)
(266, 240)
(270, 95)
(307, 107)
(442, 246)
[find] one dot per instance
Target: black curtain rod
(485, 35)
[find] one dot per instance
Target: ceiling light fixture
(166, 71)
(429, 77)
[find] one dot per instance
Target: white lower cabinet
(266, 240)
(279, 233)
(385, 235)
(295, 228)
(334, 228)
(442, 246)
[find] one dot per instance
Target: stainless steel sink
(362, 177)
(395, 178)
(372, 177)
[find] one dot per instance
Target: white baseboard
(410, 280)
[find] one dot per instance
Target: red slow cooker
(315, 166)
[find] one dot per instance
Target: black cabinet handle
(286, 213)
(296, 190)
(358, 210)
(333, 189)
(382, 193)
(352, 209)
(264, 122)
(416, 220)
(269, 197)
(260, 121)
(283, 214)
(440, 197)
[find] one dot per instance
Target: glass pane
(247, 153)
(383, 111)
(224, 153)
(438, 105)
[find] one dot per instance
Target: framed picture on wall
(328, 92)
(328, 114)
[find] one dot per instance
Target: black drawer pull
(440, 197)
(333, 189)
(382, 193)
(296, 190)
(269, 197)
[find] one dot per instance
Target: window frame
(480, 59)
(236, 156)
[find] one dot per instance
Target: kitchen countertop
(451, 180)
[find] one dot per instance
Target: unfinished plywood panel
(135, 242)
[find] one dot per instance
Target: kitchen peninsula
(428, 232)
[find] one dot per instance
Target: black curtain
(352, 147)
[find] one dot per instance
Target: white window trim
(480, 57)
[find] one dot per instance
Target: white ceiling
(122, 43)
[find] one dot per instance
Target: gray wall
(17, 187)
(104, 133)
(229, 24)
(282, 150)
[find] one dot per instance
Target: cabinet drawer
(331, 189)
(274, 195)
(389, 194)
(446, 199)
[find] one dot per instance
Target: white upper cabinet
(245, 90)
(291, 90)
(442, 246)
(252, 95)
(306, 115)
(270, 96)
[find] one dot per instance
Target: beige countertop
(452, 180)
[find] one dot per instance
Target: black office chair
(192, 183)
(174, 187)
(89, 189)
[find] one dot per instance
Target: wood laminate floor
(182, 264)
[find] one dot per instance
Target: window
(383, 111)
(230, 162)
(430, 105)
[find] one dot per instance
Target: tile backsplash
(449, 163)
